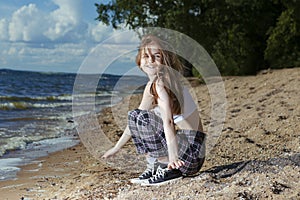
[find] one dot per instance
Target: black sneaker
(148, 173)
(163, 176)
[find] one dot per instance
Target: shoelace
(159, 174)
(147, 171)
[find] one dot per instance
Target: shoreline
(33, 177)
(248, 161)
(12, 160)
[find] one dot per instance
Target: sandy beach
(257, 156)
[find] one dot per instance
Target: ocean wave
(18, 143)
(26, 105)
(64, 97)
(23, 103)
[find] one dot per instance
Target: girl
(166, 127)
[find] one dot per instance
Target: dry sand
(257, 156)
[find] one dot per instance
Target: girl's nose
(151, 59)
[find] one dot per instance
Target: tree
(170, 14)
(242, 36)
(283, 48)
(241, 39)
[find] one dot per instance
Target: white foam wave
(16, 143)
(26, 105)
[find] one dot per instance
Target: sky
(53, 35)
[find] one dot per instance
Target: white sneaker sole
(161, 183)
(138, 181)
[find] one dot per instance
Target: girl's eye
(157, 56)
(145, 56)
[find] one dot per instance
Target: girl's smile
(151, 59)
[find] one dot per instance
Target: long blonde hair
(172, 67)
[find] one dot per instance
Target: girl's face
(151, 59)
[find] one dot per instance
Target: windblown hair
(170, 71)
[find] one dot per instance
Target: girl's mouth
(151, 67)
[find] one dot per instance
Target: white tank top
(189, 107)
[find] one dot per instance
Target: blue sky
(50, 35)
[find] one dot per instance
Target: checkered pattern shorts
(148, 136)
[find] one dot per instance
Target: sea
(36, 115)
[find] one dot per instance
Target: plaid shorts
(148, 135)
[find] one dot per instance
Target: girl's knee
(132, 115)
(143, 117)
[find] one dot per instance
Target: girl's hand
(111, 152)
(175, 164)
(160, 87)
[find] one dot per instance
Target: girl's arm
(145, 104)
(147, 99)
(169, 128)
(121, 142)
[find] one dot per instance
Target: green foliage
(283, 42)
(234, 53)
(241, 39)
(242, 36)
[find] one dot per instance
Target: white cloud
(3, 29)
(29, 24)
(62, 57)
(99, 32)
(26, 24)
(12, 51)
(64, 24)
(57, 39)
(64, 19)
